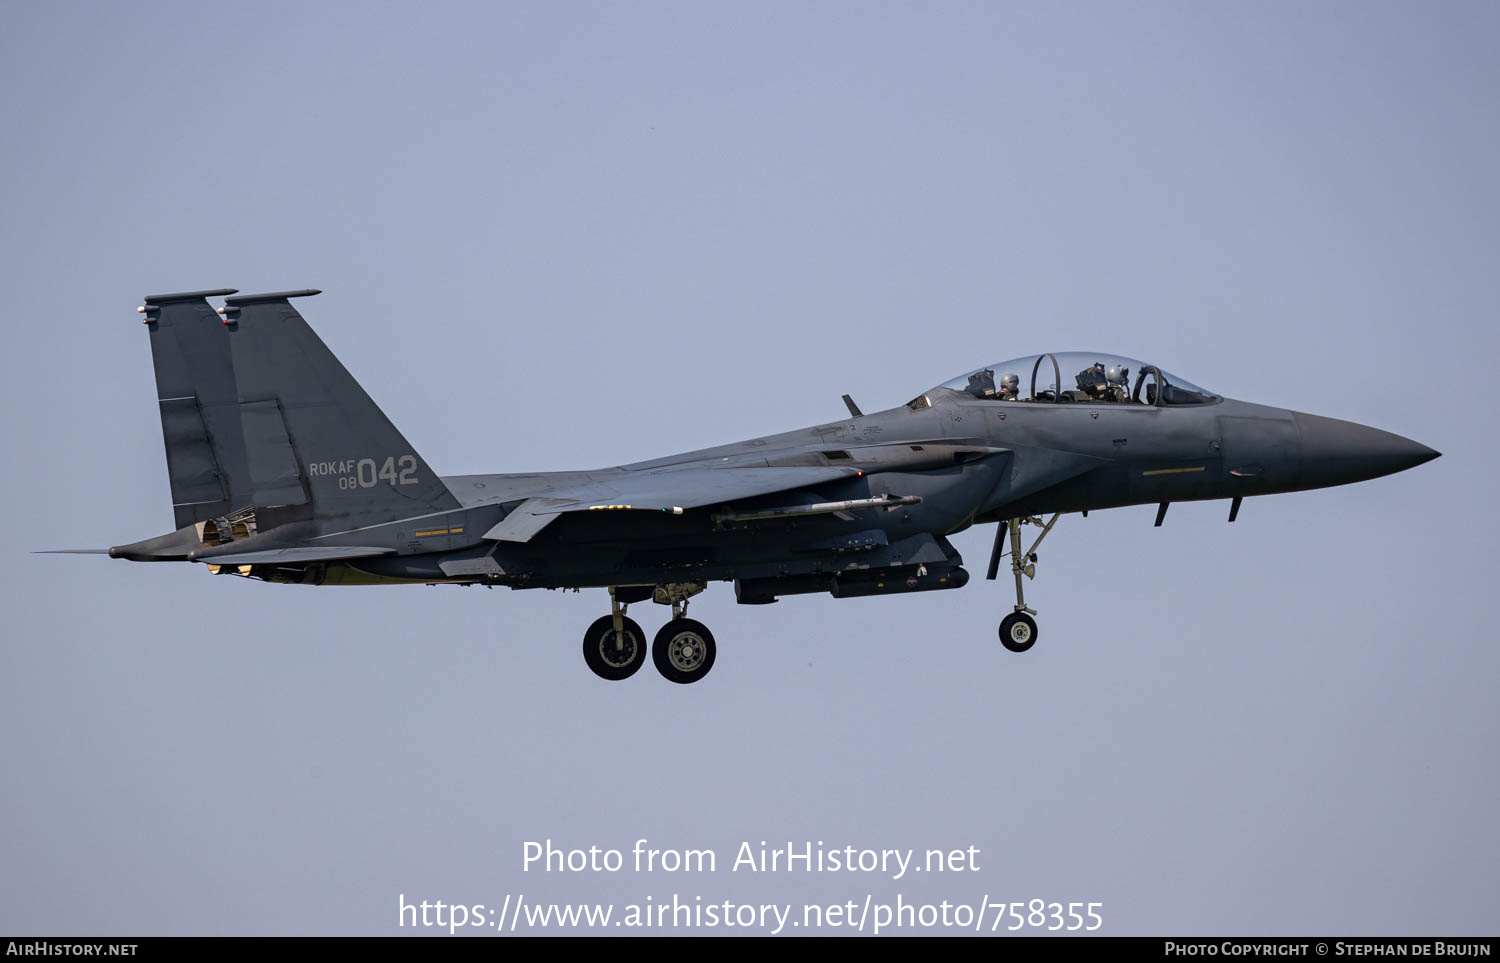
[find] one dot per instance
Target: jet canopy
(1074, 377)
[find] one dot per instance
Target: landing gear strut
(614, 646)
(1018, 629)
(684, 649)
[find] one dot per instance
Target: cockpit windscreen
(1078, 377)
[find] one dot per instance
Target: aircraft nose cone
(1337, 452)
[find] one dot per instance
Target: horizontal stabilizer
(296, 556)
(672, 492)
(528, 518)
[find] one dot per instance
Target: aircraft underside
(669, 572)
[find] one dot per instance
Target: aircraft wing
(673, 491)
(296, 555)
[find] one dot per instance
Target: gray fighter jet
(282, 469)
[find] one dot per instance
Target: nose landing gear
(1018, 630)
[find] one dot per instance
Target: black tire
(1018, 631)
(684, 651)
(606, 656)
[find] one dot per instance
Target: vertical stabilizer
(200, 420)
(317, 447)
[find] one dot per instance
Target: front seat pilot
(1118, 377)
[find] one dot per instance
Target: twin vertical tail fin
(317, 446)
(263, 425)
(200, 418)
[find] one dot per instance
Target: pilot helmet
(1117, 374)
(1010, 382)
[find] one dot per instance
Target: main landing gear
(614, 646)
(1018, 629)
(683, 651)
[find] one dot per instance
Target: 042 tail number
(394, 471)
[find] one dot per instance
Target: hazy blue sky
(574, 235)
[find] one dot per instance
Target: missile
(820, 508)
